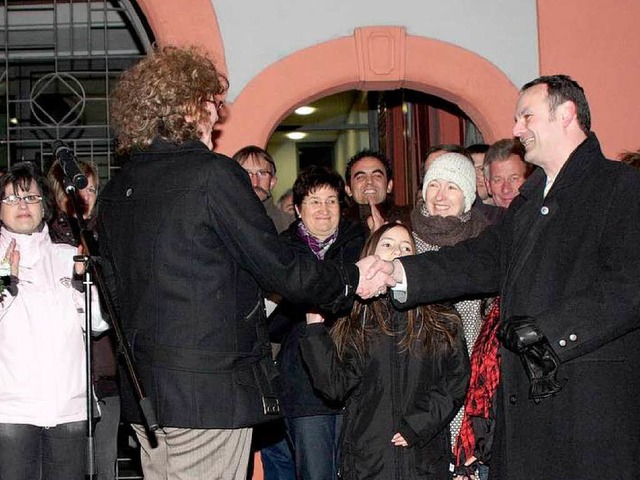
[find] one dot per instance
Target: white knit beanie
(455, 168)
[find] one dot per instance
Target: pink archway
(373, 58)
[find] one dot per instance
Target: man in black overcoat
(189, 251)
(566, 263)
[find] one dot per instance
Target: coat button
(573, 337)
(129, 192)
(544, 210)
(562, 343)
(513, 399)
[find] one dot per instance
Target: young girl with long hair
(402, 374)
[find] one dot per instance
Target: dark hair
(446, 147)
(21, 175)
(314, 177)
(562, 88)
(434, 325)
(154, 97)
(55, 176)
(242, 155)
(501, 150)
(368, 153)
(631, 158)
(476, 148)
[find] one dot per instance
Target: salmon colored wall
(597, 43)
(184, 24)
(374, 58)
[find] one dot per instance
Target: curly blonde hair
(154, 97)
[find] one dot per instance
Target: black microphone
(69, 164)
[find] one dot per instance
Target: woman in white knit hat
(444, 217)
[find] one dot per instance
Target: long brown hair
(433, 326)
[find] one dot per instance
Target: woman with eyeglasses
(42, 353)
(313, 423)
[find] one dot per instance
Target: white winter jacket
(42, 352)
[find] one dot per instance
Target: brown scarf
(446, 231)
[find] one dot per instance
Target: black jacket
(571, 262)
(189, 249)
(388, 392)
(298, 395)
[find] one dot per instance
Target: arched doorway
(378, 59)
(374, 58)
(403, 124)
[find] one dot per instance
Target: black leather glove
(523, 336)
(519, 333)
(541, 366)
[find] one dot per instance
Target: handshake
(522, 336)
(377, 275)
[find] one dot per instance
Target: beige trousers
(195, 454)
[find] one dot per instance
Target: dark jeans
(106, 438)
(277, 458)
(28, 452)
(277, 461)
(315, 445)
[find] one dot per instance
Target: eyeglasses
(15, 199)
(259, 173)
(317, 203)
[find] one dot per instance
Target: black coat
(572, 262)
(298, 395)
(190, 247)
(388, 392)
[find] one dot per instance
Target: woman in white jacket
(42, 352)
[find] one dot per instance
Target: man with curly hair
(188, 251)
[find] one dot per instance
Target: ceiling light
(306, 110)
(296, 135)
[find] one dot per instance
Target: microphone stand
(92, 272)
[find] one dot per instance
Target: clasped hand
(376, 275)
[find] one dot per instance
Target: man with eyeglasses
(262, 171)
(277, 459)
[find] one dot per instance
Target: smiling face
(539, 129)
(444, 198)
(368, 181)
(320, 212)
(23, 217)
(395, 242)
(505, 178)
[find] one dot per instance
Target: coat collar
(579, 163)
(161, 145)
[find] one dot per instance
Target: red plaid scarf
(485, 376)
